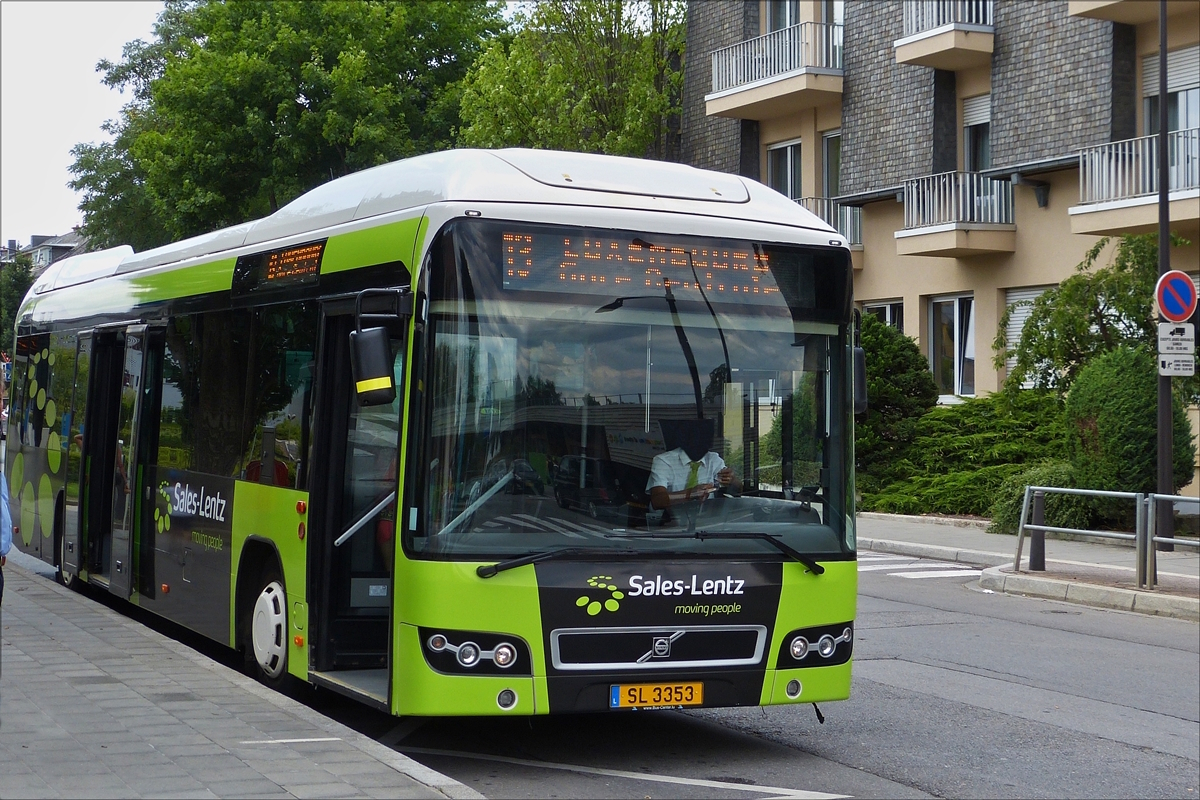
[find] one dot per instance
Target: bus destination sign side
(278, 269)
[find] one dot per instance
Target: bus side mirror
(371, 363)
(860, 381)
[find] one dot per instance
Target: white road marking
(554, 525)
(294, 741)
(775, 791)
(892, 565)
(938, 573)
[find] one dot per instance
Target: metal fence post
(1037, 541)
(1139, 543)
(1151, 549)
(1021, 531)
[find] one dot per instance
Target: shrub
(1062, 511)
(900, 389)
(961, 454)
(1112, 417)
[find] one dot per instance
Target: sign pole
(1165, 508)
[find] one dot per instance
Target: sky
(51, 99)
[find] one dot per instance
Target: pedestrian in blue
(5, 531)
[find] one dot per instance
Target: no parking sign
(1176, 295)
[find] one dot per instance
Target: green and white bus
(398, 439)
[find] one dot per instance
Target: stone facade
(887, 108)
(1052, 82)
(715, 142)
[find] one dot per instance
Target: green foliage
(598, 76)
(1063, 511)
(900, 389)
(15, 280)
(238, 108)
(1112, 416)
(1093, 311)
(961, 454)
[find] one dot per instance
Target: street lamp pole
(1164, 511)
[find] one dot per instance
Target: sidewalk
(93, 704)
(1095, 574)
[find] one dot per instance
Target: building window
(888, 313)
(977, 125)
(1183, 90)
(783, 168)
(952, 345)
(834, 11)
(783, 13)
(831, 144)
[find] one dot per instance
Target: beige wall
(1182, 30)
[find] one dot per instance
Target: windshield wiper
(779, 544)
(488, 570)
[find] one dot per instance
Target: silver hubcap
(268, 630)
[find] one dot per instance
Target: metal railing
(957, 197)
(846, 220)
(925, 15)
(1144, 537)
(1122, 170)
(809, 44)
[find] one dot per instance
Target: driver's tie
(693, 475)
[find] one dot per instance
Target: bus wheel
(266, 635)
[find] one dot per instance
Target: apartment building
(972, 151)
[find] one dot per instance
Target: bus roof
(511, 175)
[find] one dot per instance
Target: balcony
(846, 220)
(957, 215)
(777, 74)
(1128, 12)
(946, 34)
(1118, 186)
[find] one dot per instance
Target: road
(956, 693)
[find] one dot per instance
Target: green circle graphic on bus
(54, 450)
(162, 516)
(28, 517)
(594, 606)
(46, 505)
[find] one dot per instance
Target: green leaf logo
(595, 606)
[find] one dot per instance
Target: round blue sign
(1176, 295)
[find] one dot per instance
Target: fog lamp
(826, 646)
(504, 655)
(793, 689)
(437, 643)
(468, 654)
(799, 647)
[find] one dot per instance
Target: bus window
(278, 392)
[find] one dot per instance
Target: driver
(690, 471)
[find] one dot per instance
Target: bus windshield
(633, 392)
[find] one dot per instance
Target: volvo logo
(660, 647)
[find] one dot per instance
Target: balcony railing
(809, 44)
(951, 197)
(926, 15)
(1128, 169)
(846, 220)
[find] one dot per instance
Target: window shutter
(1183, 70)
(1016, 322)
(977, 110)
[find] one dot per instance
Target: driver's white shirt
(670, 470)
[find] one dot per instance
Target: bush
(1062, 511)
(900, 389)
(1112, 416)
(961, 454)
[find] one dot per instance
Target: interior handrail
(357, 526)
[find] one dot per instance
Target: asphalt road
(956, 693)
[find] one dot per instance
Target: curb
(1088, 594)
(1163, 605)
(958, 522)
(443, 784)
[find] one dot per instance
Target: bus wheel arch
(262, 613)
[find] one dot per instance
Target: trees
(1092, 312)
(237, 108)
(15, 280)
(600, 76)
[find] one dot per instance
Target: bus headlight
(826, 646)
(799, 647)
(504, 655)
(468, 654)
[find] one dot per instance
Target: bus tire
(266, 634)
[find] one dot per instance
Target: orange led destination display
(279, 269)
(620, 266)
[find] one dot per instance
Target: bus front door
(352, 513)
(111, 441)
